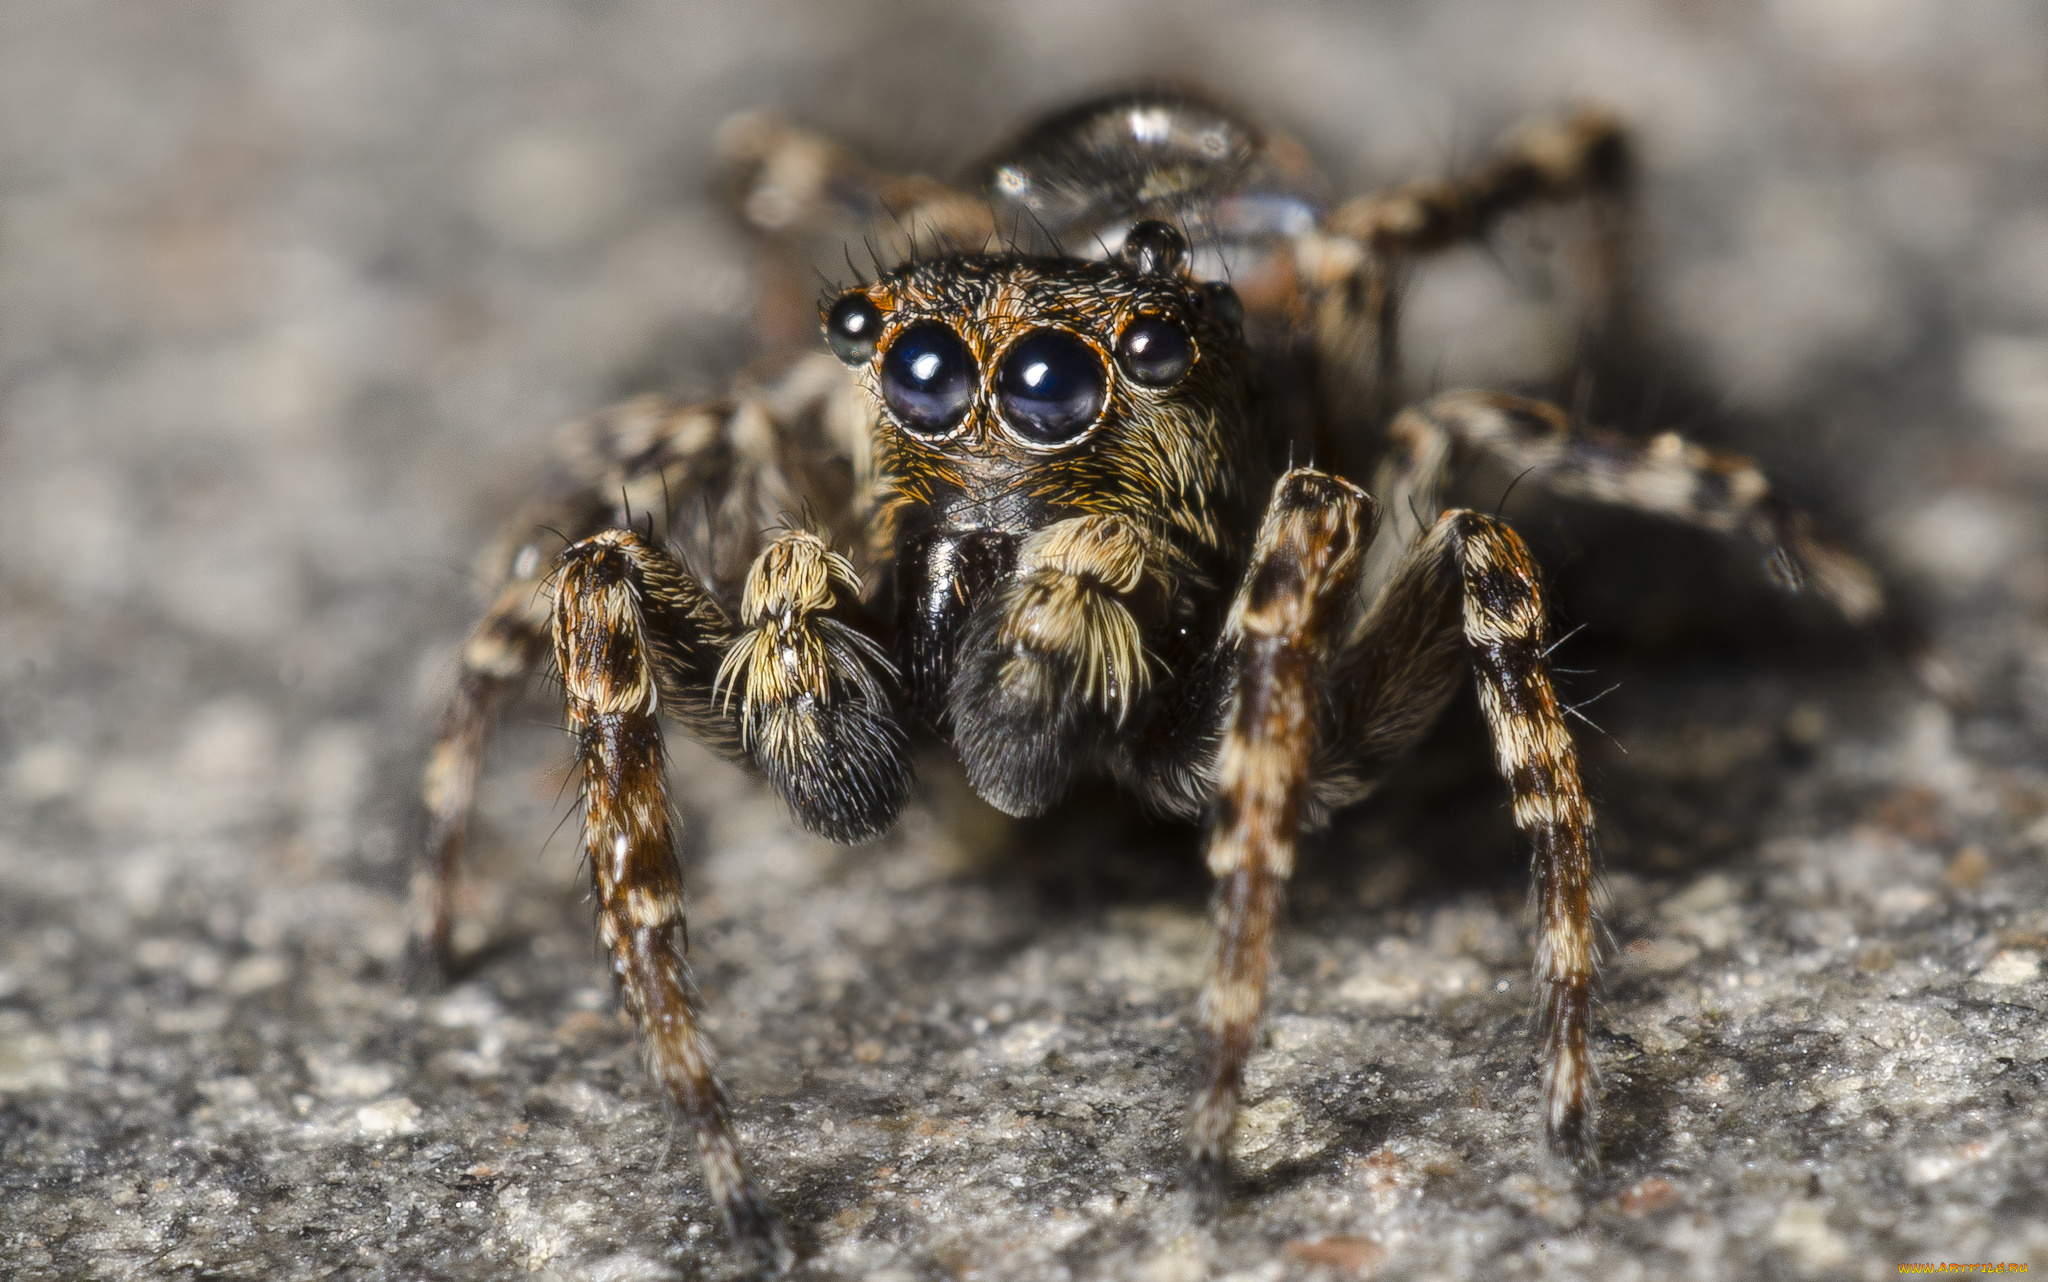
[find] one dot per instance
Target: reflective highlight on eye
(928, 378)
(1155, 351)
(853, 327)
(1051, 387)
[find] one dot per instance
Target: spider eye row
(1050, 387)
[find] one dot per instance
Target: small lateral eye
(928, 378)
(1155, 351)
(1228, 306)
(1051, 387)
(852, 327)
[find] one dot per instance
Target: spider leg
(714, 478)
(1468, 591)
(635, 636)
(1056, 657)
(1666, 476)
(1583, 155)
(815, 710)
(498, 654)
(1283, 631)
(789, 180)
(1350, 269)
(708, 478)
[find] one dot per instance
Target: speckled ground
(291, 296)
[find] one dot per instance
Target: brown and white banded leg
(710, 477)
(496, 658)
(1351, 267)
(1283, 630)
(1469, 592)
(1584, 155)
(633, 635)
(1665, 476)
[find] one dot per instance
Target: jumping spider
(1039, 502)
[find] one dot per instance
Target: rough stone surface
(291, 296)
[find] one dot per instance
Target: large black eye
(1051, 387)
(852, 327)
(928, 378)
(1155, 351)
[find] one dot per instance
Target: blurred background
(292, 298)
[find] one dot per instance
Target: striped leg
(709, 477)
(1582, 155)
(499, 653)
(1469, 590)
(1282, 631)
(630, 630)
(1351, 267)
(1666, 476)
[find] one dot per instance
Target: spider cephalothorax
(1065, 466)
(1052, 518)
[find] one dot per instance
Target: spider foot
(427, 968)
(757, 1233)
(1209, 1181)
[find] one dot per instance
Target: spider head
(1014, 391)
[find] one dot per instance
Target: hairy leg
(626, 617)
(1282, 631)
(1468, 591)
(500, 650)
(1351, 268)
(709, 478)
(716, 479)
(1666, 476)
(815, 706)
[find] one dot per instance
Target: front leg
(815, 709)
(634, 635)
(705, 478)
(1468, 593)
(1505, 623)
(1283, 630)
